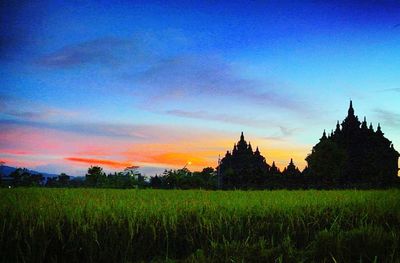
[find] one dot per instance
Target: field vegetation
(105, 225)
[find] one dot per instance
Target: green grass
(98, 225)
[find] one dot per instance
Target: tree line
(208, 178)
(127, 179)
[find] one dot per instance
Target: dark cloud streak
(226, 118)
(103, 51)
(28, 115)
(284, 133)
(389, 118)
(393, 89)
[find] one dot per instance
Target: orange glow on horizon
(23, 146)
(181, 159)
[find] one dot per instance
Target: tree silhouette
(95, 176)
(63, 179)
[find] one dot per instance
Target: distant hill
(7, 170)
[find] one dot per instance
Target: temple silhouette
(245, 168)
(242, 166)
(353, 155)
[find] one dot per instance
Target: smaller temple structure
(243, 165)
(291, 170)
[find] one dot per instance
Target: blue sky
(160, 84)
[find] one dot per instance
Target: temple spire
(351, 123)
(351, 110)
(378, 130)
(364, 124)
(337, 127)
(371, 127)
(242, 144)
(274, 169)
(323, 136)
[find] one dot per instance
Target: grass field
(94, 225)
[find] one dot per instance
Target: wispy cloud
(154, 74)
(391, 89)
(283, 134)
(226, 118)
(84, 128)
(25, 110)
(30, 115)
(49, 146)
(287, 131)
(277, 138)
(388, 118)
(123, 133)
(104, 51)
(42, 117)
(188, 76)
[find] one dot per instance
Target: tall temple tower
(354, 154)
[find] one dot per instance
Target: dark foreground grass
(93, 225)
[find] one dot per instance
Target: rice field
(103, 225)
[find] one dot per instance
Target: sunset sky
(159, 84)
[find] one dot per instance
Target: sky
(159, 84)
